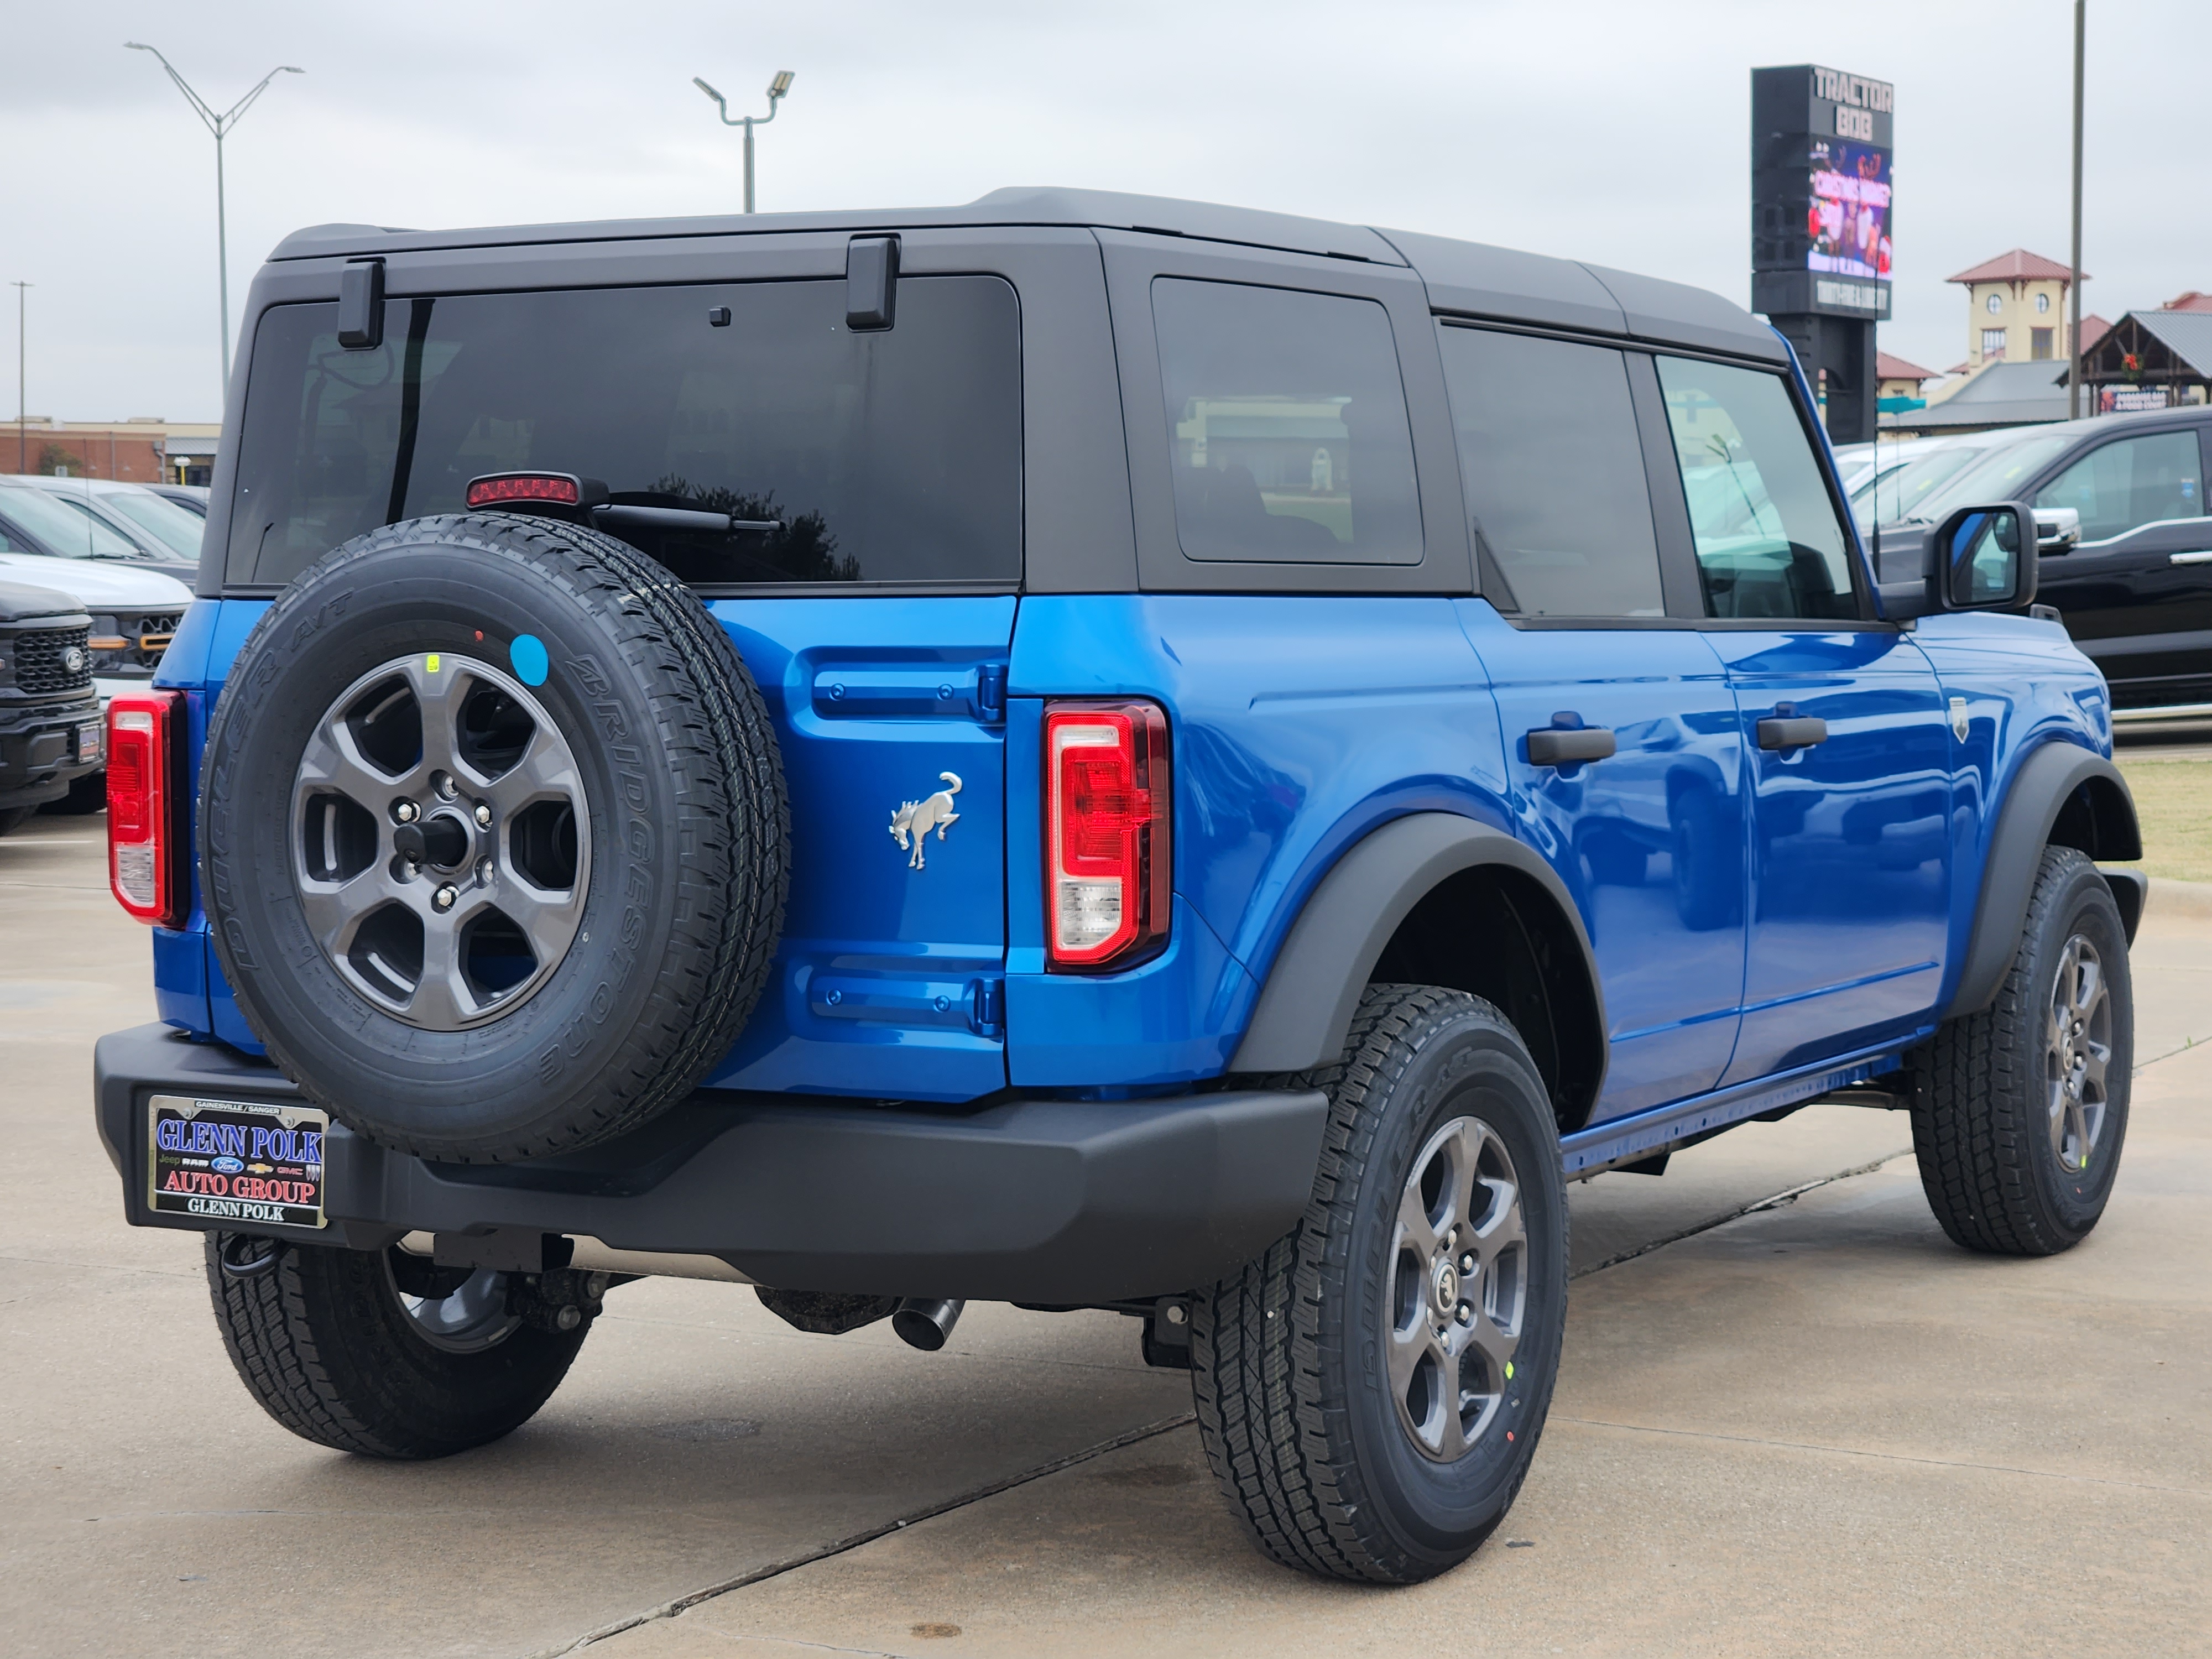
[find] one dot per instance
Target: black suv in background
(49, 727)
(2125, 541)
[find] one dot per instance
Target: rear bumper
(1021, 1200)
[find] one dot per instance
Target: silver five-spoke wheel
(441, 840)
(1458, 1285)
(2077, 1051)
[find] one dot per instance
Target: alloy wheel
(441, 840)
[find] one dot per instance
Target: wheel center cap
(1446, 1287)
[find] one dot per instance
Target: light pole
(220, 125)
(776, 89)
(22, 405)
(2073, 290)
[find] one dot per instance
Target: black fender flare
(1313, 988)
(2061, 793)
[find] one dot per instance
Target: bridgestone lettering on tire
(428, 945)
(2014, 1161)
(1316, 1370)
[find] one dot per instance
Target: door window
(1554, 475)
(1287, 426)
(2126, 485)
(1769, 543)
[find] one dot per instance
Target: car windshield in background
(886, 457)
(174, 527)
(1895, 491)
(1997, 475)
(62, 526)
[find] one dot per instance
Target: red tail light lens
(1109, 869)
(509, 488)
(142, 850)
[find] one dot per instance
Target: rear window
(1286, 421)
(889, 457)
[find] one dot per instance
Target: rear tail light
(142, 836)
(1109, 872)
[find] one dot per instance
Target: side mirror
(2057, 529)
(1986, 564)
(1975, 559)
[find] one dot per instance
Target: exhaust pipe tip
(925, 1322)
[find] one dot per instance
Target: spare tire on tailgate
(493, 837)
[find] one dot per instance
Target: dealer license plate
(234, 1160)
(87, 742)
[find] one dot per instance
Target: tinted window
(1554, 475)
(1287, 423)
(2134, 481)
(889, 457)
(1769, 541)
(1997, 474)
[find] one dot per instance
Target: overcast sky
(1614, 130)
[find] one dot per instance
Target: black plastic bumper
(1020, 1201)
(39, 749)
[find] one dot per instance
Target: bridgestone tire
(1981, 1123)
(688, 844)
(324, 1345)
(1295, 1406)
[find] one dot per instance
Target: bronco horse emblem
(916, 818)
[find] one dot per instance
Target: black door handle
(1569, 746)
(1792, 732)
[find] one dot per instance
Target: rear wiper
(618, 514)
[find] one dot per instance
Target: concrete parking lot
(1810, 1426)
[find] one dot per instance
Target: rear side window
(1286, 421)
(2126, 485)
(889, 457)
(1554, 472)
(1769, 541)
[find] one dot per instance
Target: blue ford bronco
(1085, 750)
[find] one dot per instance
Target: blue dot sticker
(527, 654)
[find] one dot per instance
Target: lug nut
(483, 873)
(444, 785)
(483, 815)
(1466, 1315)
(1466, 1265)
(406, 811)
(445, 897)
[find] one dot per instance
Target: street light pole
(2073, 288)
(220, 125)
(22, 404)
(776, 89)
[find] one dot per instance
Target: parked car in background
(135, 607)
(49, 725)
(193, 498)
(163, 533)
(2125, 544)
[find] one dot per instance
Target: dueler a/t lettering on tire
(1370, 1392)
(494, 840)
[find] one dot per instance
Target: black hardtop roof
(1468, 278)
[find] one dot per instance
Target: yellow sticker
(430, 663)
(1509, 1368)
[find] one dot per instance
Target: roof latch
(871, 266)
(360, 305)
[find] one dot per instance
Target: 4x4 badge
(914, 819)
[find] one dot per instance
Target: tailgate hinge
(987, 1008)
(991, 693)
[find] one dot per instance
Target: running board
(1630, 1139)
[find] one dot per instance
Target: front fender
(2061, 793)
